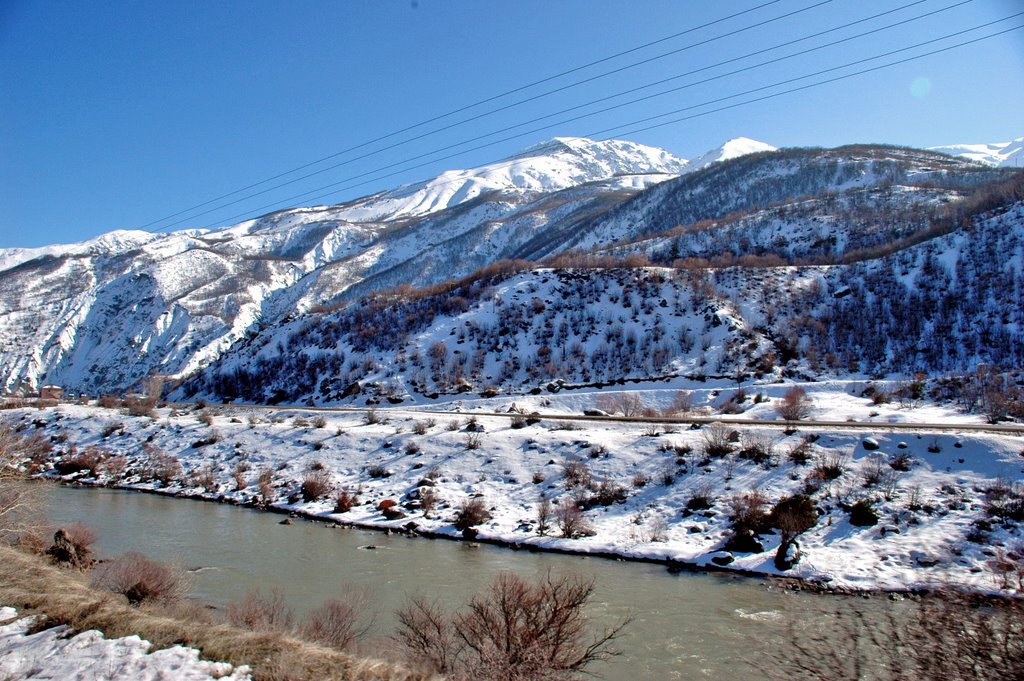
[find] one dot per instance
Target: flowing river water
(685, 626)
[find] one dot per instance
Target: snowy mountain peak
(734, 148)
(997, 154)
(555, 164)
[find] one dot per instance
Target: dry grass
(32, 586)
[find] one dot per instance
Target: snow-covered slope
(550, 166)
(734, 148)
(100, 315)
(998, 154)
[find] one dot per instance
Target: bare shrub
(576, 474)
(205, 418)
(749, 517)
(420, 427)
(717, 441)
(372, 417)
(161, 466)
(205, 478)
(944, 636)
(428, 500)
(758, 448)
(801, 453)
(238, 473)
(795, 405)
(682, 404)
(72, 547)
(571, 521)
(471, 512)
(794, 515)
(873, 471)
(111, 427)
(108, 402)
(628, 404)
(89, 460)
(544, 513)
(141, 580)
(320, 422)
(512, 631)
(701, 498)
(474, 441)
(257, 612)
(345, 501)
(339, 623)
(315, 485)
(265, 483)
(830, 466)
(114, 466)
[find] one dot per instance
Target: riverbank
(60, 598)
(930, 493)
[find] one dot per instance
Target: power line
(467, 107)
(823, 82)
(307, 195)
(596, 101)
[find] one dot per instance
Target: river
(686, 626)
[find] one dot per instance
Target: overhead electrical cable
(309, 194)
(705, 103)
(616, 95)
(473, 105)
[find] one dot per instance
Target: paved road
(1004, 428)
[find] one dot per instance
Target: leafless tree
(340, 622)
(20, 500)
(513, 631)
(948, 636)
(795, 405)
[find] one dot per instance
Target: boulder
(787, 555)
(722, 559)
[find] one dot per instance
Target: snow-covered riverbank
(940, 498)
(52, 654)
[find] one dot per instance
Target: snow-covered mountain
(998, 154)
(102, 314)
(550, 166)
(734, 148)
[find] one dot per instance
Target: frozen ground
(935, 518)
(88, 656)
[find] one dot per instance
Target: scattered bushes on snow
(749, 517)
(1005, 499)
(794, 515)
(576, 474)
(700, 499)
(472, 512)
(795, 405)
(718, 441)
(345, 501)
(315, 485)
(545, 511)
(571, 521)
(758, 448)
(161, 466)
(863, 514)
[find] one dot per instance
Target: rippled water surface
(685, 626)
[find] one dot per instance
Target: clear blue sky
(115, 114)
